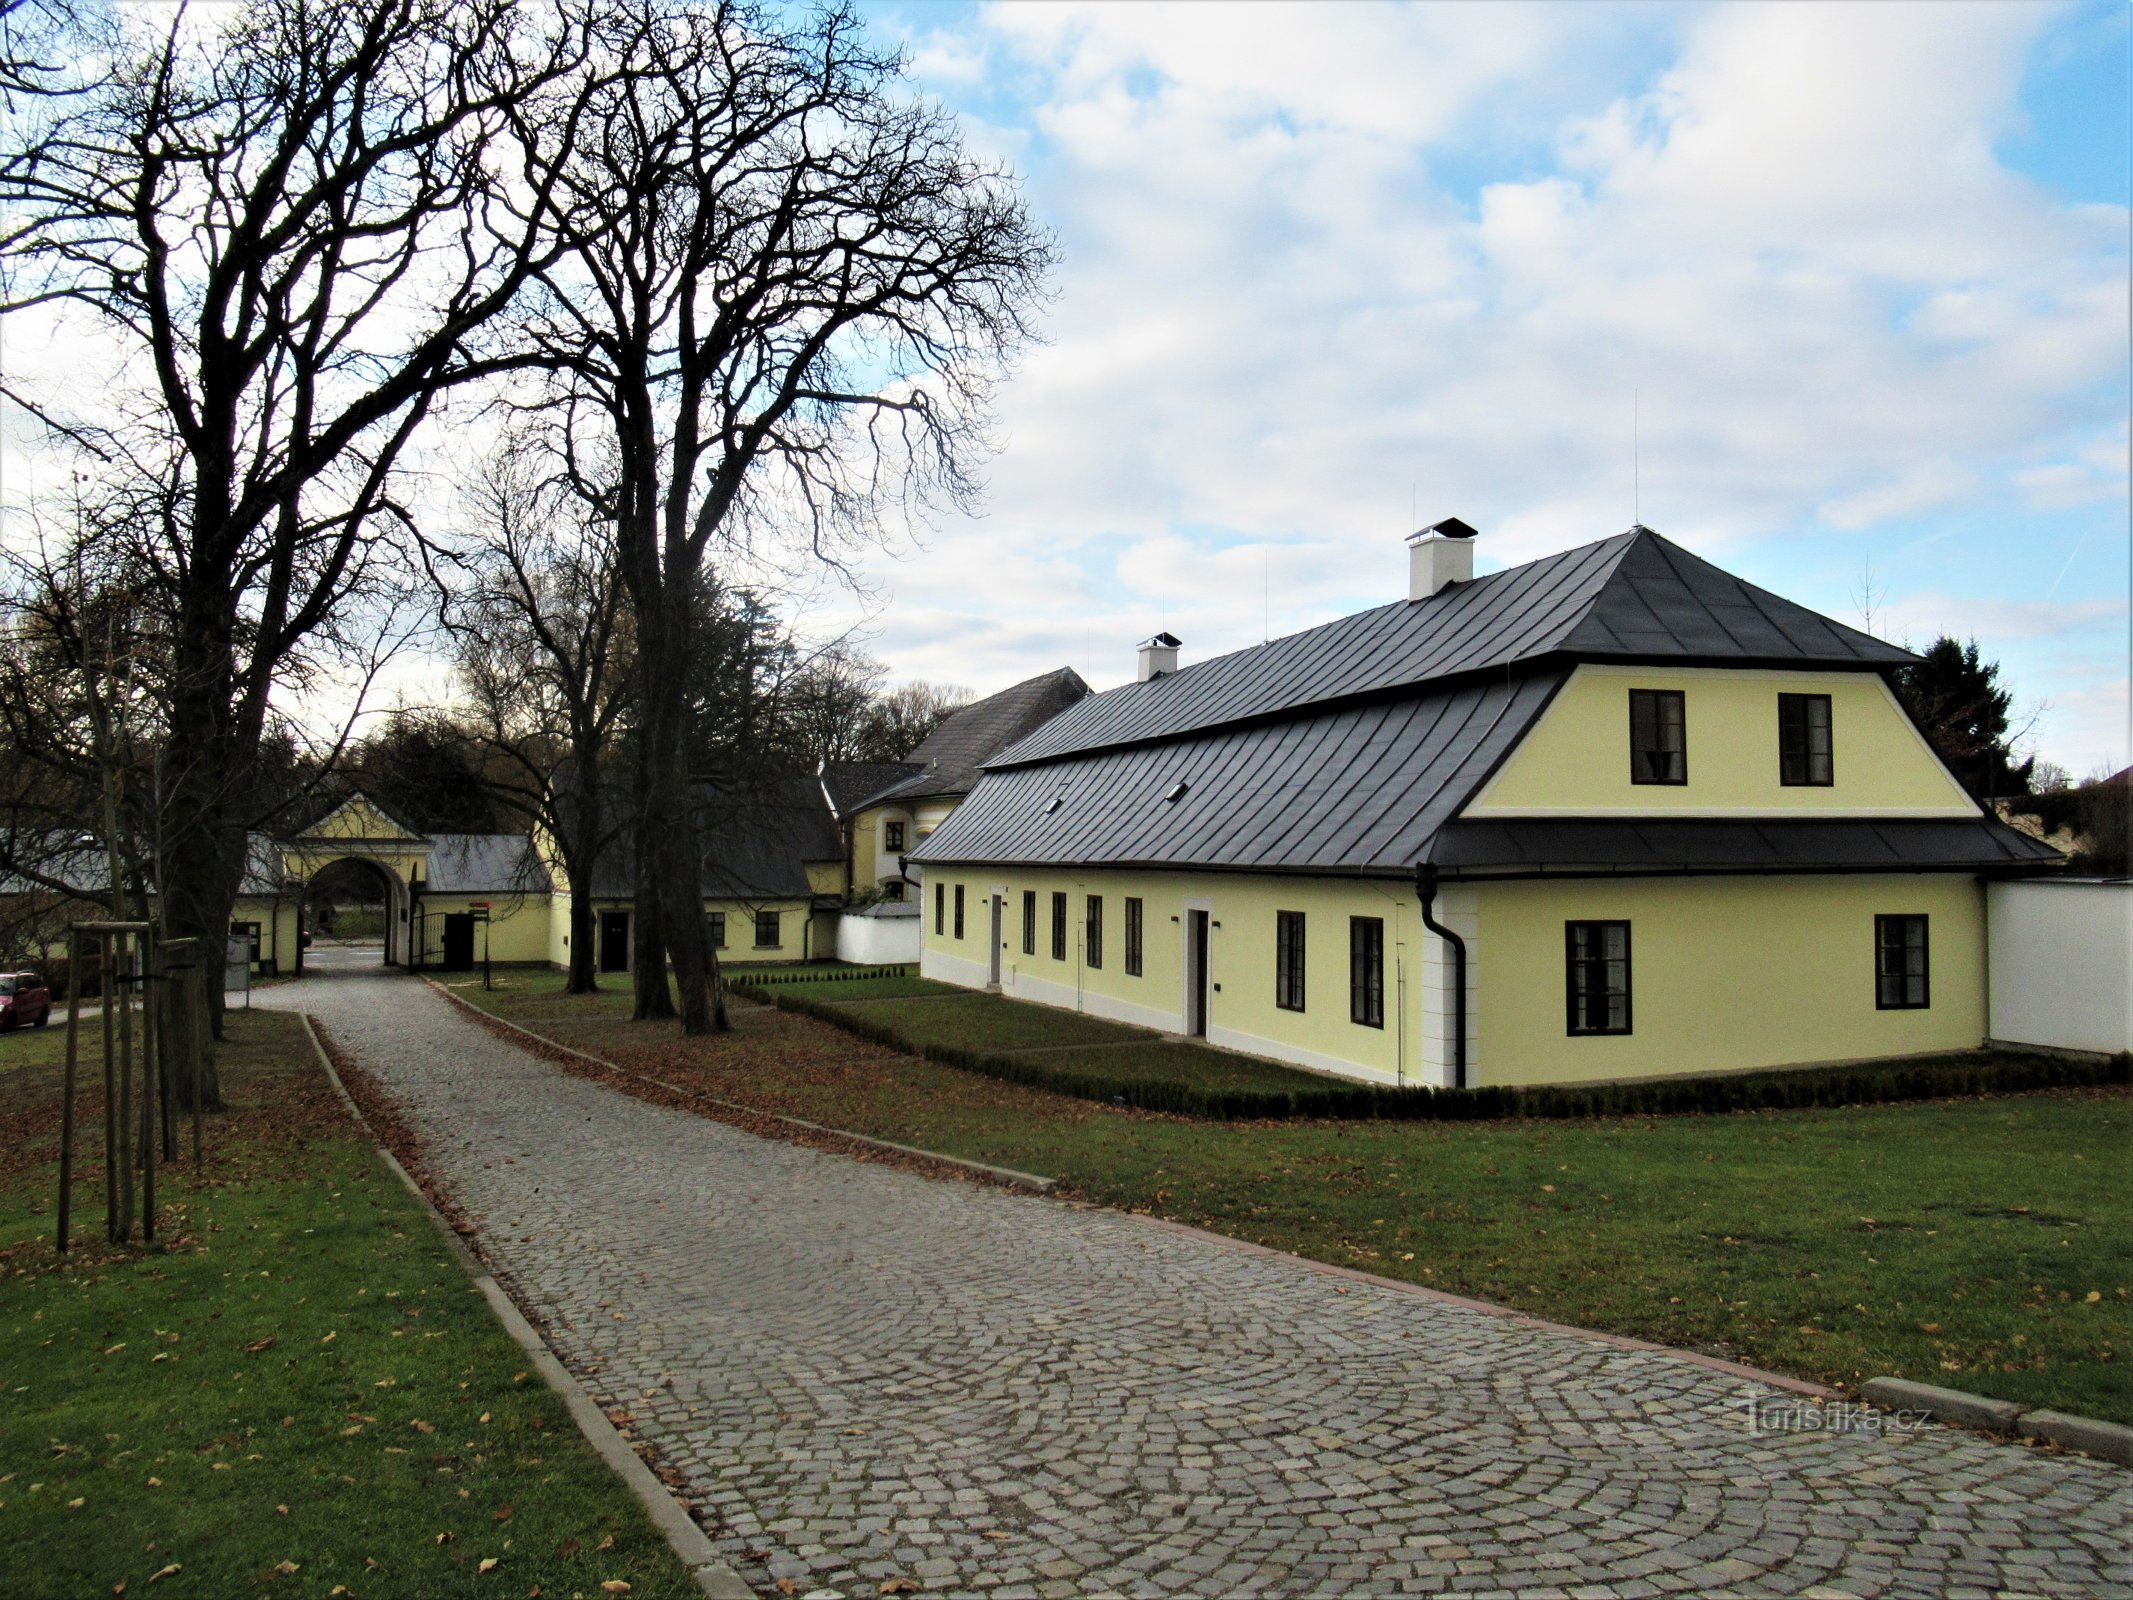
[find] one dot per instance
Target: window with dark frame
(1133, 937)
(940, 909)
(1596, 959)
(1289, 960)
(1094, 949)
(1029, 922)
(1658, 736)
(895, 832)
(1901, 978)
(1806, 756)
(766, 930)
(715, 925)
(893, 889)
(1366, 971)
(959, 911)
(1059, 942)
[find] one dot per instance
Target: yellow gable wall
(1575, 761)
(1726, 973)
(358, 819)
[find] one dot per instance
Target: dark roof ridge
(1632, 596)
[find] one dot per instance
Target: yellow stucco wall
(278, 929)
(1576, 759)
(517, 932)
(1241, 936)
(1726, 973)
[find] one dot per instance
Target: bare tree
(294, 225)
(535, 609)
(900, 719)
(786, 294)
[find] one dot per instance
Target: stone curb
(2108, 1441)
(717, 1580)
(1006, 1175)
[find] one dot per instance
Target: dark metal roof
(950, 757)
(1659, 844)
(1360, 789)
(1635, 597)
(485, 863)
(756, 841)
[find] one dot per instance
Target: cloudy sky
(1858, 270)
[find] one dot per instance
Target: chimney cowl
(1159, 656)
(1438, 556)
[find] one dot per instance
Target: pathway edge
(689, 1543)
(1007, 1175)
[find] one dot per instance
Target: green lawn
(298, 1390)
(1985, 1244)
(1170, 1061)
(991, 1022)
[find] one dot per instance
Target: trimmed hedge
(1867, 1084)
(749, 983)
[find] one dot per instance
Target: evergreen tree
(1954, 694)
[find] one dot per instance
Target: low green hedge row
(1868, 1084)
(746, 983)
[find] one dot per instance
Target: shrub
(1868, 1083)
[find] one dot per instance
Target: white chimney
(1159, 655)
(1440, 554)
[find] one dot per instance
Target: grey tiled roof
(951, 757)
(482, 863)
(1359, 789)
(1635, 597)
(849, 783)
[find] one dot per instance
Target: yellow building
(1613, 814)
(888, 809)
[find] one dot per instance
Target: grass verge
(1974, 1242)
(297, 1391)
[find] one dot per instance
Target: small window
(1059, 952)
(1289, 960)
(1597, 958)
(1094, 946)
(1804, 747)
(1133, 937)
(1029, 922)
(959, 911)
(1658, 736)
(940, 909)
(1366, 971)
(715, 926)
(766, 930)
(893, 889)
(248, 931)
(1900, 964)
(895, 832)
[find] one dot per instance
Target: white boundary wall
(877, 941)
(2062, 962)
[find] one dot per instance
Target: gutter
(1426, 892)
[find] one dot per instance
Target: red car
(24, 999)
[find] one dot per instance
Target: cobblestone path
(876, 1375)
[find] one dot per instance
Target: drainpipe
(1426, 892)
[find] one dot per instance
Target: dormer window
(1658, 736)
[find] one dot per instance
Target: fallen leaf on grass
(607, 1542)
(385, 1383)
(446, 1538)
(285, 1567)
(614, 1586)
(258, 1345)
(331, 1337)
(1929, 1327)
(172, 1570)
(420, 1426)
(503, 1512)
(569, 1547)
(155, 1483)
(74, 1505)
(486, 1564)
(281, 1511)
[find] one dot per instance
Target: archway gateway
(359, 831)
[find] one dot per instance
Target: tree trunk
(648, 951)
(669, 833)
(581, 862)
